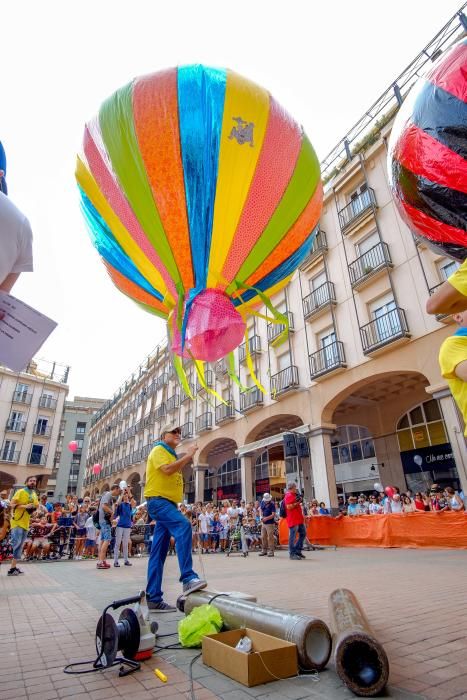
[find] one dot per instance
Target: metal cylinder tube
(360, 660)
(311, 635)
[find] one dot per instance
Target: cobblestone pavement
(414, 599)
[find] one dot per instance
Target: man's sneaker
(116, 563)
(301, 556)
(196, 584)
(262, 554)
(14, 571)
(128, 563)
(270, 554)
(161, 607)
(296, 557)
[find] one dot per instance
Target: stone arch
(106, 487)
(134, 480)
(273, 425)
(7, 481)
(87, 494)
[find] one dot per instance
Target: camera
(299, 497)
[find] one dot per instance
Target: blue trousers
(169, 523)
(296, 547)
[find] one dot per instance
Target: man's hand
(192, 450)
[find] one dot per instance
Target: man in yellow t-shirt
(453, 363)
(163, 491)
(23, 503)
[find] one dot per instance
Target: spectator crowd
(32, 528)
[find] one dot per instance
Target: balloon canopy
(427, 159)
(201, 194)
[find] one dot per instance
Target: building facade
(69, 467)
(31, 406)
(358, 377)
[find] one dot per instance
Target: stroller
(237, 543)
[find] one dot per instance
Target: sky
(325, 62)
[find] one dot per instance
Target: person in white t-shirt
(204, 520)
(15, 236)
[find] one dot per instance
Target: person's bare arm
(446, 300)
(180, 463)
(461, 371)
(9, 281)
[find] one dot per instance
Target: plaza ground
(415, 601)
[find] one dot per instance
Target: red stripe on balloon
(110, 188)
(155, 109)
(276, 164)
(431, 228)
(451, 74)
(425, 156)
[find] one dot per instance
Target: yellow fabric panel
(237, 164)
(256, 301)
(453, 351)
(158, 483)
(145, 267)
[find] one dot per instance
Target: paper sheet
(22, 332)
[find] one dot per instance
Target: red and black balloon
(427, 161)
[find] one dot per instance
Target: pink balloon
(389, 491)
(214, 327)
(96, 469)
(73, 446)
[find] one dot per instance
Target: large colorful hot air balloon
(427, 159)
(201, 194)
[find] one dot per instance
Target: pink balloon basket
(214, 328)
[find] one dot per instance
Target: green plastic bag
(206, 619)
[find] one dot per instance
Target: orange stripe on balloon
(155, 111)
(275, 167)
(134, 291)
(294, 238)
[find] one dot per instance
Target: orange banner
(444, 530)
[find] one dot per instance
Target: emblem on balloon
(200, 215)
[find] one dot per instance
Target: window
(21, 392)
(447, 268)
(422, 426)
(367, 243)
(318, 280)
(328, 342)
(229, 472)
(359, 199)
(352, 443)
(283, 361)
(80, 429)
(15, 421)
(47, 400)
(8, 450)
(42, 426)
(37, 454)
(387, 319)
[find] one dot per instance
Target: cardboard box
(271, 658)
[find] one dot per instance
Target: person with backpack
(268, 517)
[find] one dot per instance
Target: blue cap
(3, 187)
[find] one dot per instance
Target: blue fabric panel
(107, 246)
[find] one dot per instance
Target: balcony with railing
(225, 412)
(204, 422)
(357, 210)
(160, 411)
(209, 380)
(49, 402)
(275, 329)
(319, 300)
(442, 318)
(15, 426)
(384, 330)
(284, 381)
(10, 456)
(145, 450)
(36, 458)
(220, 368)
(186, 430)
(254, 344)
(162, 380)
(329, 359)
(318, 249)
(369, 264)
(42, 430)
(172, 403)
(22, 397)
(186, 397)
(251, 399)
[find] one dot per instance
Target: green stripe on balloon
(300, 189)
(118, 133)
(146, 307)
